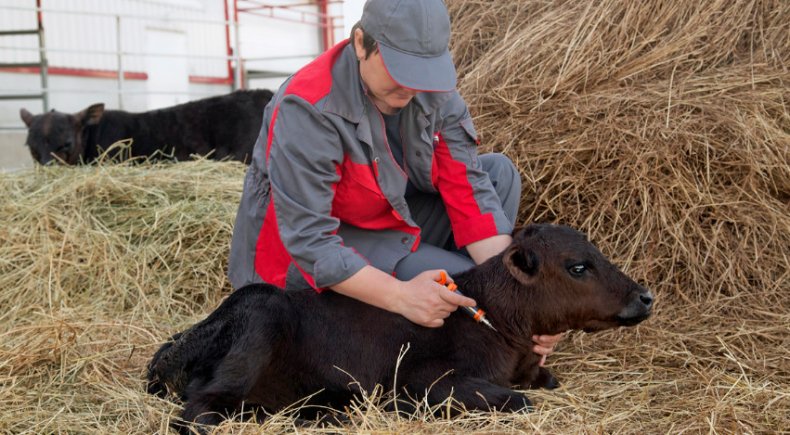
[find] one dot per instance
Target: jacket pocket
(469, 128)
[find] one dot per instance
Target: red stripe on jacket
(449, 176)
(312, 83)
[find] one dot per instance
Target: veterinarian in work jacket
(365, 176)
(324, 195)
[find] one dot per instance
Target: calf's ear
(90, 116)
(26, 116)
(522, 265)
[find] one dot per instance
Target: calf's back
(222, 127)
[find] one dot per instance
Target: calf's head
(572, 285)
(55, 136)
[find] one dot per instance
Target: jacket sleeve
(472, 204)
(303, 165)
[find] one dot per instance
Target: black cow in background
(222, 127)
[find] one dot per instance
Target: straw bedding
(660, 128)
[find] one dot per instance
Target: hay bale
(660, 128)
(95, 264)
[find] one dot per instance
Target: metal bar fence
(127, 58)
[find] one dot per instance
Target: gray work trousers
(437, 249)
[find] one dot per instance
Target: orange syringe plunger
(477, 314)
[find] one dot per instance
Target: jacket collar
(430, 102)
(348, 98)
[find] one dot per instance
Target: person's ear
(359, 48)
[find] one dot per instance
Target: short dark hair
(368, 43)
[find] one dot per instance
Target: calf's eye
(577, 269)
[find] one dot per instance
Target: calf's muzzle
(638, 308)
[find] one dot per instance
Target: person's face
(386, 94)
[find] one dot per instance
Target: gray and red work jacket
(323, 195)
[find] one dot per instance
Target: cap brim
(424, 74)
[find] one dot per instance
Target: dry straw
(660, 128)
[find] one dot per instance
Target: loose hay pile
(659, 128)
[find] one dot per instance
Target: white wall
(273, 45)
(168, 76)
(92, 26)
(260, 38)
(83, 36)
(278, 40)
(352, 12)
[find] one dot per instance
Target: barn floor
(100, 265)
(14, 154)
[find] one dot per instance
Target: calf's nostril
(646, 299)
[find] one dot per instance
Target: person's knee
(501, 170)
(428, 257)
(499, 167)
(506, 181)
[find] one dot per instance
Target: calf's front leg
(477, 394)
(532, 376)
(544, 379)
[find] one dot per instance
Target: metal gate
(113, 39)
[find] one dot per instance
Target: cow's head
(577, 286)
(57, 136)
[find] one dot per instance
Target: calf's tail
(190, 356)
(156, 384)
(189, 359)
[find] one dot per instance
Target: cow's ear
(26, 116)
(522, 265)
(92, 115)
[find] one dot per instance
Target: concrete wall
(13, 152)
(295, 44)
(76, 93)
(84, 34)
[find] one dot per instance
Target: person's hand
(544, 345)
(426, 302)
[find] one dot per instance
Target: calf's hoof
(200, 424)
(323, 420)
(517, 402)
(545, 380)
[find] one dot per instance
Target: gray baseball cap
(413, 38)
